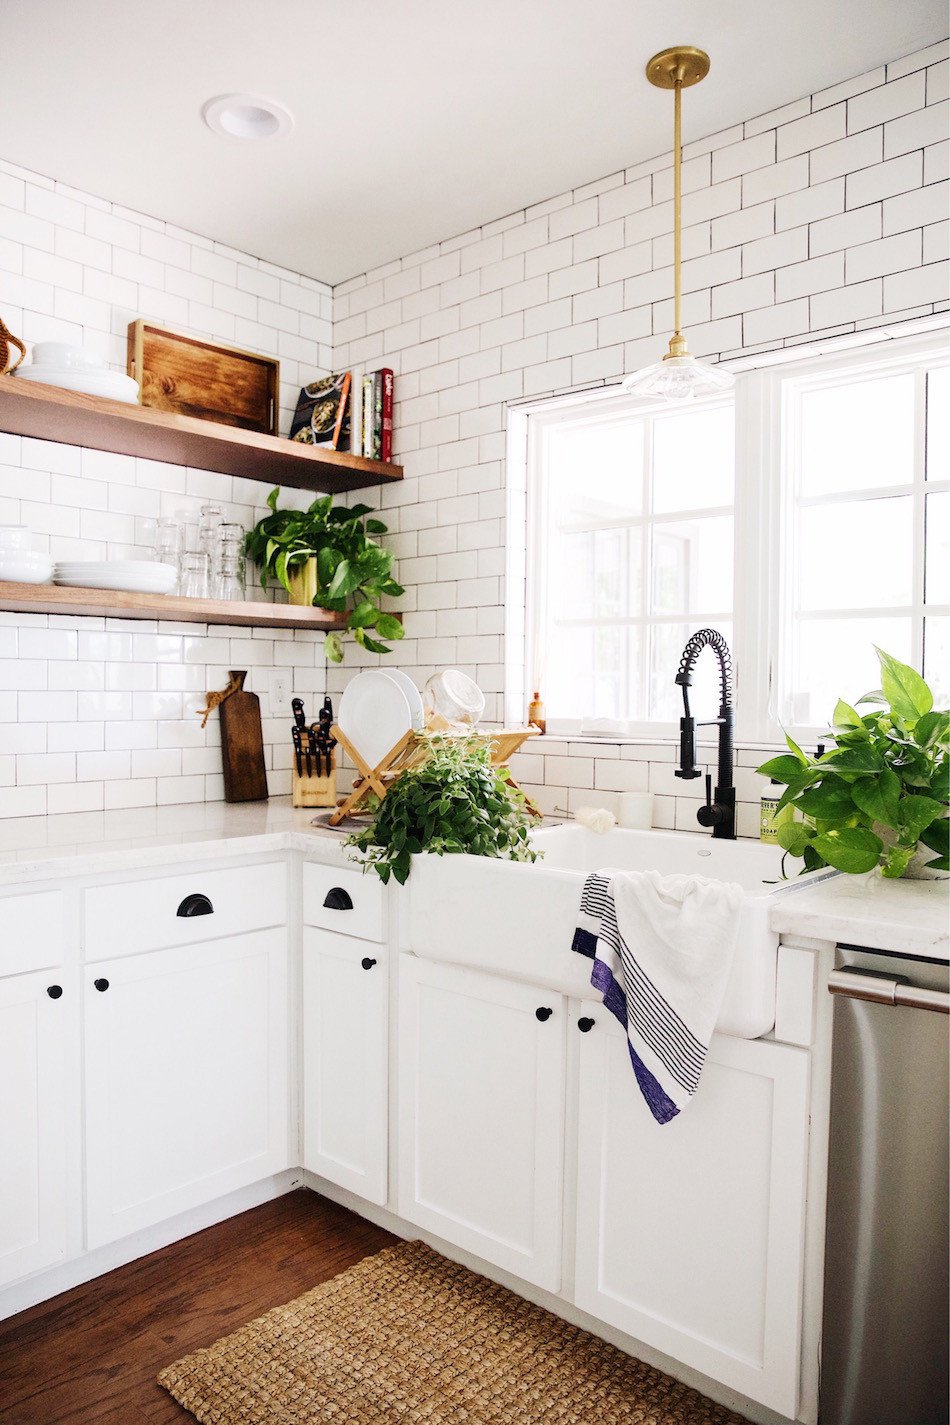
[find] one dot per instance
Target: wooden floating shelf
(51, 413)
(112, 603)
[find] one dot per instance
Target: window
(867, 480)
(807, 518)
(632, 543)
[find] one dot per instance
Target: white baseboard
(54, 1280)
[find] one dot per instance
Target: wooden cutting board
(181, 373)
(242, 746)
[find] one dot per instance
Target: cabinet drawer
(182, 910)
(31, 932)
(348, 901)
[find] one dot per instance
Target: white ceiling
(416, 120)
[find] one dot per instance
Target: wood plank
(50, 413)
(193, 377)
(113, 603)
(91, 1355)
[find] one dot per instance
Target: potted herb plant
(326, 556)
(454, 802)
(882, 791)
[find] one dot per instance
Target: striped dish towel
(662, 949)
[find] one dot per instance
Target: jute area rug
(407, 1336)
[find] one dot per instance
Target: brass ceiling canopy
(683, 64)
(678, 376)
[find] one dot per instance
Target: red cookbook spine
(386, 432)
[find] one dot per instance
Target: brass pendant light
(679, 376)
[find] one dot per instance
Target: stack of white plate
(133, 576)
(377, 708)
(57, 363)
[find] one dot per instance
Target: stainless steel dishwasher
(886, 1320)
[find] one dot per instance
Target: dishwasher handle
(879, 989)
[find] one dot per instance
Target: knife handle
(299, 718)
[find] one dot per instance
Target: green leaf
(280, 569)
(376, 527)
(878, 796)
(855, 760)
(846, 716)
(356, 512)
(852, 849)
(939, 863)
(363, 616)
(802, 759)
(333, 647)
(937, 836)
(813, 861)
(273, 497)
(344, 580)
(916, 813)
(828, 801)
(931, 729)
(781, 769)
(374, 646)
(794, 836)
(904, 688)
(896, 860)
(388, 626)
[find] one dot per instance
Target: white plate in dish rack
(413, 696)
(374, 713)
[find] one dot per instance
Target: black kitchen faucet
(720, 813)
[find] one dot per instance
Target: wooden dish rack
(408, 752)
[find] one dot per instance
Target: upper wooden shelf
(50, 413)
(112, 603)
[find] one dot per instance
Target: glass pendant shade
(679, 376)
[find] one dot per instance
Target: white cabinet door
(481, 1115)
(346, 1062)
(689, 1235)
(38, 1119)
(186, 1078)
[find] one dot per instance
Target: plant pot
(303, 584)
(917, 868)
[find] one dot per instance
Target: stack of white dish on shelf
(132, 576)
(380, 706)
(57, 363)
(18, 563)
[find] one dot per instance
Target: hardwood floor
(90, 1356)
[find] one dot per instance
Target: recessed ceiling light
(247, 116)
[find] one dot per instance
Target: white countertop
(909, 917)
(86, 843)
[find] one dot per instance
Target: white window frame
(766, 390)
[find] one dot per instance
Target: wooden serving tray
(191, 377)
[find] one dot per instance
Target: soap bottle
(536, 716)
(770, 818)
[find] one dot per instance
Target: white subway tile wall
(824, 217)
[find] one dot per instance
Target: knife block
(314, 791)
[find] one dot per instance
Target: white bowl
(111, 384)
(17, 570)
(62, 355)
(15, 536)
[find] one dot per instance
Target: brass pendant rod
(677, 206)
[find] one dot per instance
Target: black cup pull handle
(101, 985)
(543, 1013)
(367, 963)
(585, 1025)
(55, 991)
(338, 899)
(195, 904)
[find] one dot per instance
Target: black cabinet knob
(367, 963)
(543, 1013)
(55, 991)
(195, 904)
(586, 1025)
(338, 899)
(101, 985)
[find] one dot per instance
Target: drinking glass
(230, 581)
(194, 575)
(210, 521)
(170, 543)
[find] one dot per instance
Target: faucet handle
(711, 814)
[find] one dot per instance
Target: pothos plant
(882, 789)
(353, 571)
(453, 802)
